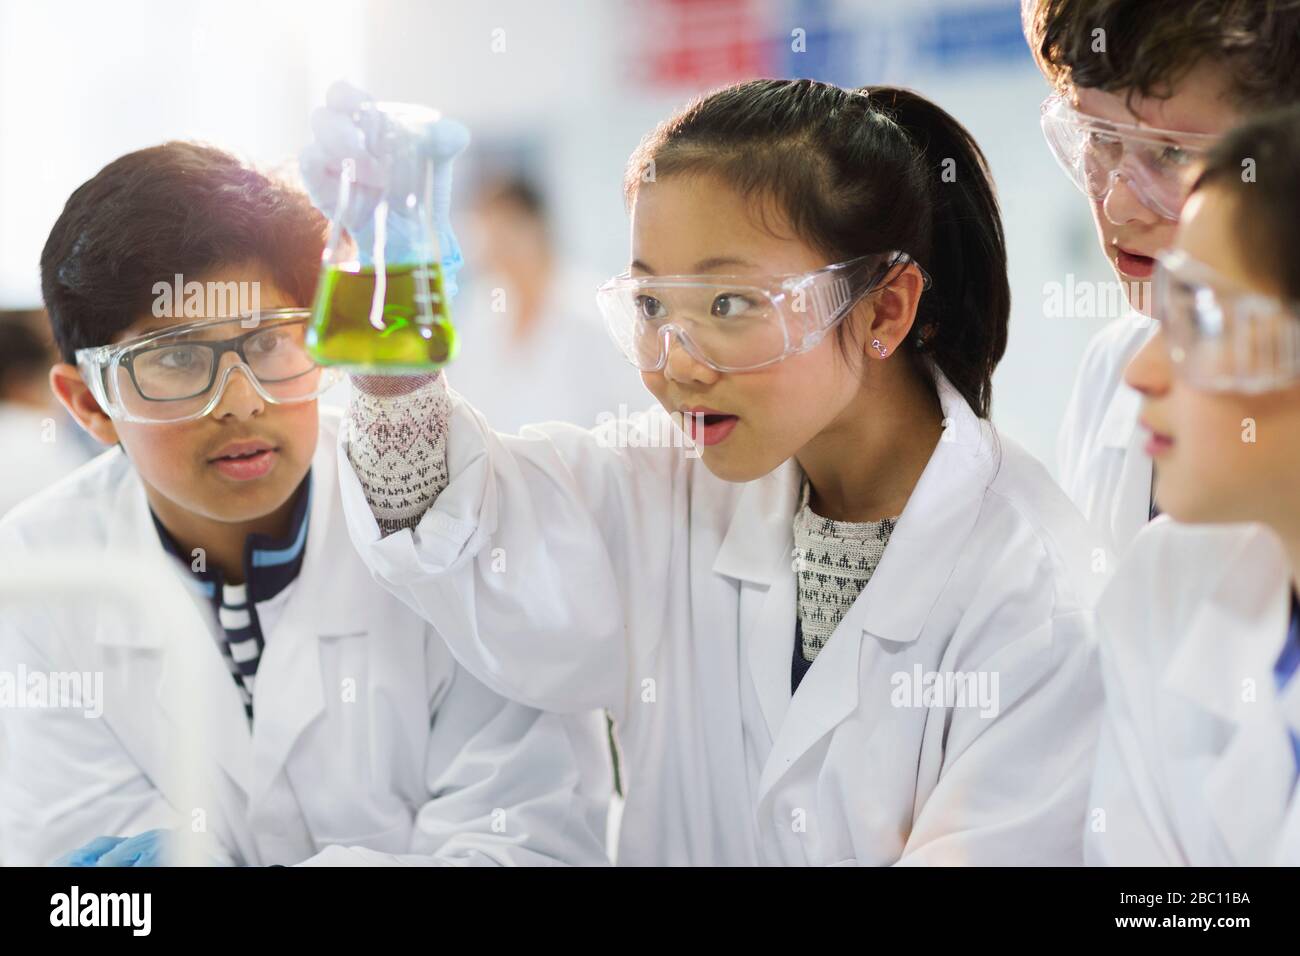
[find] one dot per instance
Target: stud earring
(882, 349)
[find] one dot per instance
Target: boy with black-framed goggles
(1158, 165)
(1221, 338)
(180, 373)
(738, 323)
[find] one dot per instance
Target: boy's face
(186, 466)
(1219, 456)
(1131, 233)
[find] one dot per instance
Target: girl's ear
(74, 395)
(895, 311)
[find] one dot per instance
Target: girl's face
(1219, 456)
(696, 225)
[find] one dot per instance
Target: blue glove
(348, 127)
(89, 854)
(151, 848)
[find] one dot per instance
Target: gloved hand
(89, 854)
(151, 848)
(349, 127)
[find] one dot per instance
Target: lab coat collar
(758, 551)
(1119, 423)
(130, 529)
(127, 515)
(758, 545)
(315, 610)
(1131, 503)
(270, 565)
(932, 530)
(290, 662)
(1250, 587)
(828, 694)
(1234, 637)
(922, 551)
(1118, 431)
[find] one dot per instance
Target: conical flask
(381, 305)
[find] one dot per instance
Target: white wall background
(82, 81)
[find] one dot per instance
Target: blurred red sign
(698, 43)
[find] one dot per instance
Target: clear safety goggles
(180, 373)
(1222, 339)
(1158, 165)
(737, 323)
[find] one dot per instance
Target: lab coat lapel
(826, 696)
(1249, 786)
(1227, 670)
(893, 607)
(758, 551)
(214, 699)
(932, 530)
(1131, 505)
(290, 695)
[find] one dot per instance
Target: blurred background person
(39, 444)
(532, 344)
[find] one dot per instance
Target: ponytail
(858, 172)
(963, 318)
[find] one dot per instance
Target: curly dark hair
(176, 208)
(1151, 44)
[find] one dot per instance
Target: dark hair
(1149, 46)
(176, 208)
(857, 172)
(25, 348)
(1257, 162)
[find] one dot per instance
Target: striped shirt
(270, 566)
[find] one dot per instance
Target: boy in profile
(1141, 91)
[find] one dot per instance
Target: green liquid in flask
(347, 330)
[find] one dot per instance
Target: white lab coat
(419, 763)
(573, 574)
(1103, 466)
(1195, 766)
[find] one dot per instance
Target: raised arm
(528, 553)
